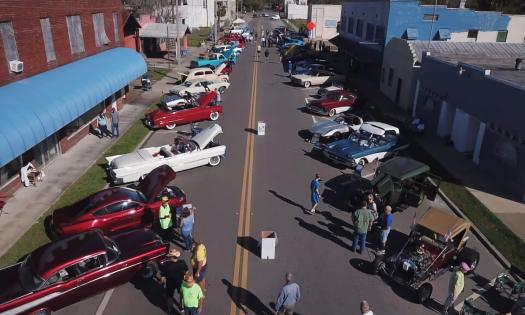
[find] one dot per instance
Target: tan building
(325, 17)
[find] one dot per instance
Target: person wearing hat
(365, 308)
(173, 272)
(191, 296)
(165, 218)
(455, 285)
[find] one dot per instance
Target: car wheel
(215, 160)
(336, 135)
(470, 256)
(362, 162)
(307, 84)
(149, 270)
(170, 127)
(332, 112)
(214, 116)
(43, 311)
(225, 79)
(222, 89)
(424, 292)
(378, 264)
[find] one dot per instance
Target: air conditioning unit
(16, 66)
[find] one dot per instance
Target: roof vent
(517, 66)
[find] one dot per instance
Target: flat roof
(402, 167)
(499, 58)
(442, 222)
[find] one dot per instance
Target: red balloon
(310, 26)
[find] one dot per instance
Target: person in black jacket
(173, 272)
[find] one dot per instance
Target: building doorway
(398, 91)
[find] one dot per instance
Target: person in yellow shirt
(165, 221)
(199, 263)
(455, 285)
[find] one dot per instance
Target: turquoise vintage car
(213, 60)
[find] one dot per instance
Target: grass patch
(155, 74)
(202, 34)
(93, 180)
(498, 234)
(298, 23)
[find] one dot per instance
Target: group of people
(103, 122)
(176, 276)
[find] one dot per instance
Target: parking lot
(263, 185)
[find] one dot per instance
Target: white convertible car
(200, 86)
(316, 77)
(185, 153)
(335, 129)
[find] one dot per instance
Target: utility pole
(216, 28)
(175, 12)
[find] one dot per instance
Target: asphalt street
(263, 185)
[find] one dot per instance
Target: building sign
(330, 23)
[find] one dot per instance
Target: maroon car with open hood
(120, 208)
(71, 269)
(334, 102)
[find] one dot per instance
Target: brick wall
(25, 16)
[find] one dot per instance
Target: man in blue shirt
(315, 196)
(386, 224)
(290, 294)
(290, 68)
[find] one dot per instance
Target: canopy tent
(163, 30)
(239, 22)
(35, 108)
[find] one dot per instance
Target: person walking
(186, 226)
(362, 224)
(114, 123)
(456, 285)
(289, 296)
(290, 68)
(199, 262)
(192, 296)
(258, 50)
(315, 196)
(166, 223)
(263, 41)
(365, 308)
(386, 224)
(173, 271)
(103, 124)
(266, 55)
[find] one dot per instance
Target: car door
(120, 216)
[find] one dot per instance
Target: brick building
(61, 64)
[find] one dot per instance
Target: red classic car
(334, 102)
(66, 271)
(120, 208)
(205, 107)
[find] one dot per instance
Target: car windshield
(112, 250)
(333, 96)
(29, 279)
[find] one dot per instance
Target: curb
(501, 259)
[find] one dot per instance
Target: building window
(350, 27)
(76, 37)
(502, 36)
(48, 39)
(370, 31)
(390, 76)
(183, 21)
(473, 34)
(116, 29)
(78, 123)
(8, 41)
(430, 17)
(100, 31)
(380, 34)
(359, 28)
(205, 4)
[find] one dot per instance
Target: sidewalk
(29, 203)
(491, 193)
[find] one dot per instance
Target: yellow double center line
(240, 271)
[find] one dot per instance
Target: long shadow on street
(322, 232)
(246, 300)
(289, 201)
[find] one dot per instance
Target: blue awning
(412, 33)
(444, 33)
(32, 109)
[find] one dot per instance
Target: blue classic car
(289, 42)
(213, 60)
(374, 140)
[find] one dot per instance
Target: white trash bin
(261, 128)
(268, 244)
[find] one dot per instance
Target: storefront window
(76, 124)
(9, 170)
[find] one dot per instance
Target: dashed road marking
(105, 301)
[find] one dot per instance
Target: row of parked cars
(438, 241)
(105, 239)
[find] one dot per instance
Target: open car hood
(324, 127)
(153, 184)
(207, 135)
